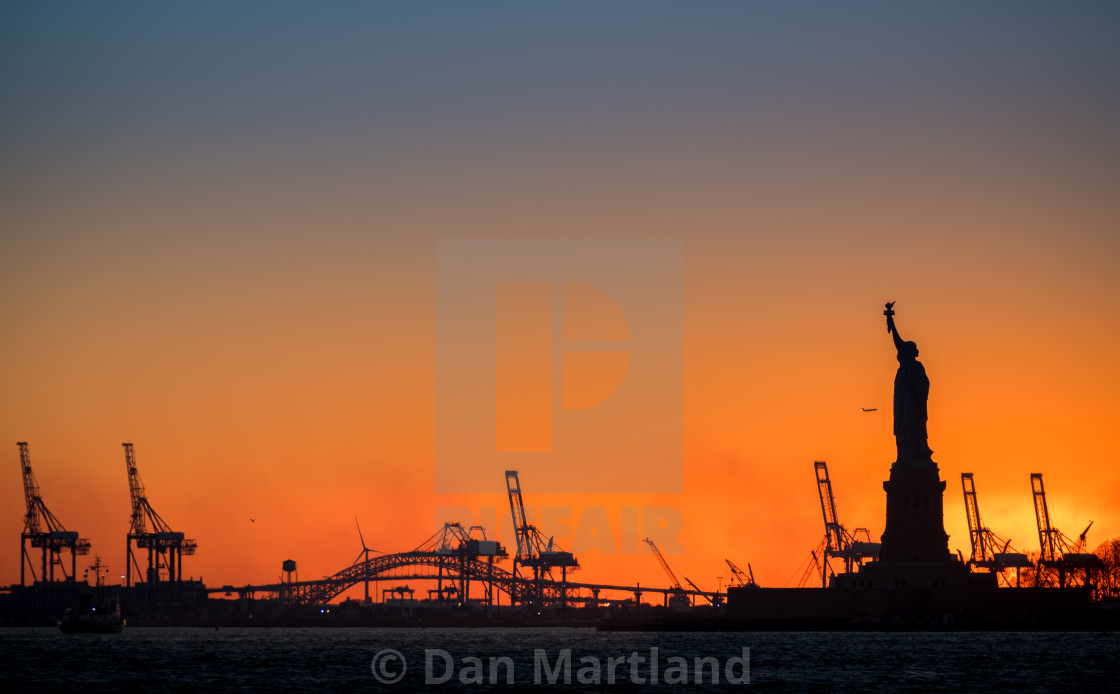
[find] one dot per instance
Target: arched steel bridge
(457, 568)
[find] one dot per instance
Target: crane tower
(533, 550)
(988, 550)
(838, 542)
(149, 531)
(677, 597)
(1057, 550)
(743, 579)
(52, 540)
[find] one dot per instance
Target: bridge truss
(458, 571)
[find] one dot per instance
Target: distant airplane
(869, 409)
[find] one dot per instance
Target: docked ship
(92, 617)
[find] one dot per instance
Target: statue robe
(911, 391)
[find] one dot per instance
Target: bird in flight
(252, 520)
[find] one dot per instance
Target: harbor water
(557, 659)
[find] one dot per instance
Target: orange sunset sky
(219, 232)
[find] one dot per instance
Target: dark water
(329, 660)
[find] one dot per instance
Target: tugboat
(94, 615)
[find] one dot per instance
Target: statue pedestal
(915, 529)
(915, 548)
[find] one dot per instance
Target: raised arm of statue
(898, 341)
(889, 313)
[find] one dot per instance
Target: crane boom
(813, 563)
(740, 576)
(980, 552)
(834, 532)
(135, 491)
(697, 588)
(30, 490)
(1047, 541)
(517, 511)
(1077, 548)
(664, 564)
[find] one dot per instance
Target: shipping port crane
(744, 580)
(165, 546)
(713, 601)
(813, 565)
(1058, 551)
(676, 598)
(51, 540)
(989, 551)
(838, 542)
(458, 548)
(533, 551)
